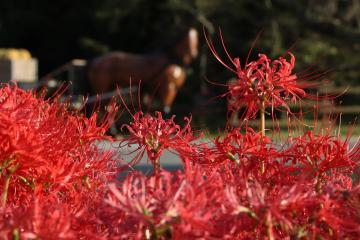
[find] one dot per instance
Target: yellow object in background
(14, 54)
(18, 65)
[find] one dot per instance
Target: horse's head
(187, 48)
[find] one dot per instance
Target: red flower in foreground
(48, 151)
(40, 220)
(166, 206)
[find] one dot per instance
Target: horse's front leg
(170, 81)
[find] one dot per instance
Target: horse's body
(163, 73)
(116, 68)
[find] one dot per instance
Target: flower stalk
(5, 190)
(156, 166)
(262, 118)
(262, 128)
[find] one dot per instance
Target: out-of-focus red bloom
(171, 205)
(41, 220)
(263, 81)
(337, 218)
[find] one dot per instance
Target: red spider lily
(44, 219)
(291, 212)
(153, 135)
(245, 155)
(38, 221)
(261, 83)
(54, 178)
(320, 154)
(44, 147)
(248, 148)
(329, 211)
(167, 205)
(276, 210)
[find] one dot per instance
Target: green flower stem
(156, 166)
(269, 227)
(5, 191)
(262, 117)
(262, 128)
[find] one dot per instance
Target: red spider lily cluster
(56, 183)
(52, 174)
(306, 192)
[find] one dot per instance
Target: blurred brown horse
(163, 72)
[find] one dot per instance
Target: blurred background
(324, 34)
